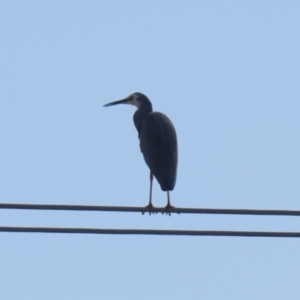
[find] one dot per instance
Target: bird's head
(137, 99)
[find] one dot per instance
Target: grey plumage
(158, 142)
(159, 146)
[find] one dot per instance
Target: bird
(158, 143)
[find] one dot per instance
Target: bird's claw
(151, 208)
(167, 213)
(167, 208)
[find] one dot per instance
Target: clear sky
(225, 72)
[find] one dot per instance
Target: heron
(158, 143)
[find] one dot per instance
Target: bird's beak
(124, 101)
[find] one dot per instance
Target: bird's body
(158, 142)
(158, 137)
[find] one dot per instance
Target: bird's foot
(150, 208)
(167, 208)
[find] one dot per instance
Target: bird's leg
(168, 206)
(150, 196)
(150, 205)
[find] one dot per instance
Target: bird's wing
(158, 144)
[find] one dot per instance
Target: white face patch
(134, 101)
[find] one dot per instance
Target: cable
(143, 210)
(152, 232)
(178, 210)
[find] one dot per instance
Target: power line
(178, 210)
(152, 232)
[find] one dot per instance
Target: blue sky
(227, 75)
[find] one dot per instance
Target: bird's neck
(139, 115)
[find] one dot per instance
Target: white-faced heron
(158, 142)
